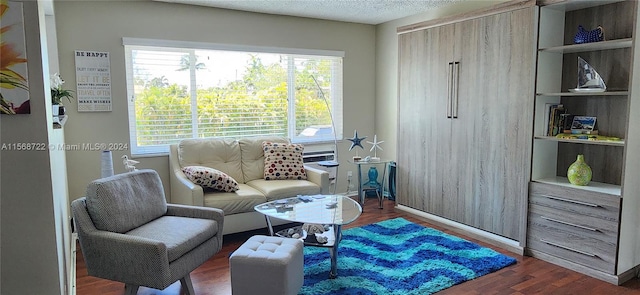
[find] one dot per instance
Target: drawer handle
(570, 224)
(567, 248)
(571, 201)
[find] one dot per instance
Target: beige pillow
(283, 161)
(211, 178)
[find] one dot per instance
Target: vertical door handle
(449, 90)
(456, 83)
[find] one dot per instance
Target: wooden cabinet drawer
(550, 218)
(598, 206)
(575, 225)
(573, 247)
(572, 240)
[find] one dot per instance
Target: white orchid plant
(57, 92)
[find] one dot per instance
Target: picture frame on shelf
(583, 124)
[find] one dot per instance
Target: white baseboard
(487, 237)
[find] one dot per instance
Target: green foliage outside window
(253, 104)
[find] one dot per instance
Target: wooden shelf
(606, 93)
(594, 46)
(581, 141)
(593, 186)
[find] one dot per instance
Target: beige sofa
(243, 160)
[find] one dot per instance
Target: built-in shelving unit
(557, 73)
(559, 212)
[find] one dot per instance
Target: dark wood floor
(528, 276)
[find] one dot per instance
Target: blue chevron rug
(397, 256)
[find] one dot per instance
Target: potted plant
(58, 93)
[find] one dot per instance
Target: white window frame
(140, 43)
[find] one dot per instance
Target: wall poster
(93, 80)
(14, 85)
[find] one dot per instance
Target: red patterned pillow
(283, 161)
(211, 178)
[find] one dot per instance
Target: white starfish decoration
(375, 145)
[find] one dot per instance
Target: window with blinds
(180, 90)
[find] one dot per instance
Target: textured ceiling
(358, 11)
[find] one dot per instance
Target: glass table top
(322, 209)
(370, 162)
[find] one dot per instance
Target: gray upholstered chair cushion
(179, 234)
(123, 202)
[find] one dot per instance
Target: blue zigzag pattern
(397, 256)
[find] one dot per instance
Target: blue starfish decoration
(356, 141)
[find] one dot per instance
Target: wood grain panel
(614, 18)
(585, 221)
(423, 125)
(473, 169)
(410, 48)
(498, 8)
(594, 228)
(607, 206)
(493, 131)
(572, 247)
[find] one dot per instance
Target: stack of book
(557, 119)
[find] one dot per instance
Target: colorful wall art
(14, 86)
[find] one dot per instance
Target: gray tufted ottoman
(267, 265)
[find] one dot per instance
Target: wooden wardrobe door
(492, 135)
(424, 129)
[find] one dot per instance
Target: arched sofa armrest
(183, 191)
(319, 177)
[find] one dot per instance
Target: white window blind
(180, 90)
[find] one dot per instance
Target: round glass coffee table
(331, 211)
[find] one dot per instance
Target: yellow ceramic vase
(579, 172)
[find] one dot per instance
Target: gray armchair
(128, 233)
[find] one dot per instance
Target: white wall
(31, 237)
(387, 67)
(100, 26)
